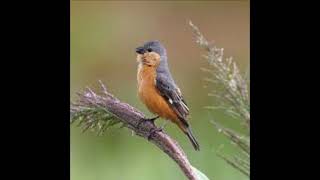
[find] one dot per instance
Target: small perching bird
(157, 89)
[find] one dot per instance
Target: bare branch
(101, 111)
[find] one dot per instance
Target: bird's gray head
(152, 46)
(157, 47)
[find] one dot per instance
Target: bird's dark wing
(173, 96)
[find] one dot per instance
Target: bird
(157, 89)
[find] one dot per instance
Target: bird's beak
(140, 50)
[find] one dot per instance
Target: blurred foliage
(104, 35)
(233, 98)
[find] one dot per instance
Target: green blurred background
(104, 35)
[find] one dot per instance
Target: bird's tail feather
(192, 139)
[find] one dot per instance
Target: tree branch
(93, 110)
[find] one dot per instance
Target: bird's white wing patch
(185, 106)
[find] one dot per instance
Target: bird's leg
(157, 129)
(150, 120)
(153, 130)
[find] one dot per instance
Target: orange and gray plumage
(157, 89)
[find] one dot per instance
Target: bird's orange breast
(150, 95)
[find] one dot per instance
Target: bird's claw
(145, 120)
(152, 131)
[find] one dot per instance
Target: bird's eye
(149, 50)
